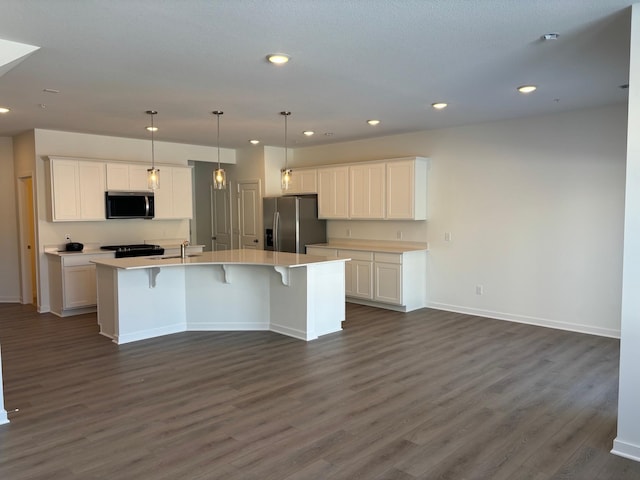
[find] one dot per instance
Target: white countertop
(241, 257)
(370, 246)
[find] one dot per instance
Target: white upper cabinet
(367, 191)
(173, 200)
(303, 180)
(406, 191)
(123, 176)
(333, 192)
(77, 190)
(393, 189)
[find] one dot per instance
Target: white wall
(9, 266)
(627, 442)
(535, 209)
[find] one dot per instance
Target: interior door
(221, 221)
(249, 214)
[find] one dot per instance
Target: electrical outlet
(67, 237)
(399, 235)
(348, 232)
(447, 236)
(479, 289)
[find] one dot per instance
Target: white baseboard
(10, 299)
(626, 450)
(292, 332)
(150, 333)
(540, 322)
(226, 326)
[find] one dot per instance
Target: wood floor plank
(394, 396)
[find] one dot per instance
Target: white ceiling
(352, 60)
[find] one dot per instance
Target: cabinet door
(173, 200)
(182, 196)
(388, 283)
(407, 189)
(367, 191)
(117, 176)
(303, 181)
(333, 192)
(348, 279)
(65, 189)
(362, 279)
(79, 286)
(163, 195)
(138, 178)
(91, 185)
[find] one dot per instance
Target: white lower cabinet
(396, 281)
(388, 279)
(79, 286)
(72, 283)
(358, 274)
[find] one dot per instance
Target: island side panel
(106, 286)
(288, 304)
(325, 297)
(228, 297)
(146, 311)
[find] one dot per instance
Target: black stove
(135, 250)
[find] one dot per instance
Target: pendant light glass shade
(219, 177)
(286, 172)
(153, 173)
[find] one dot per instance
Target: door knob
(255, 241)
(213, 238)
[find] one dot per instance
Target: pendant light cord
(285, 114)
(153, 150)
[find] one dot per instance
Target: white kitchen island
(144, 297)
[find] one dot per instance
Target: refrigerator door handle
(276, 231)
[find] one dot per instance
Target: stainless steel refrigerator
(292, 222)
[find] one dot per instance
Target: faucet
(183, 249)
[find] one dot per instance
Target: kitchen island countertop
(239, 257)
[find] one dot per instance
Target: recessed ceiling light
(373, 122)
(550, 36)
(439, 105)
(152, 129)
(527, 88)
(328, 134)
(278, 58)
(4, 110)
(254, 142)
(308, 133)
(50, 90)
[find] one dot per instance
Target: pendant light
(285, 173)
(153, 173)
(219, 177)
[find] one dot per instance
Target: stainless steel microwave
(129, 204)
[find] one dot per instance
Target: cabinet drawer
(322, 252)
(83, 259)
(388, 257)
(356, 255)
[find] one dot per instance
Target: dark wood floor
(425, 395)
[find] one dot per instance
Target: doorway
(27, 231)
(250, 214)
(221, 221)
